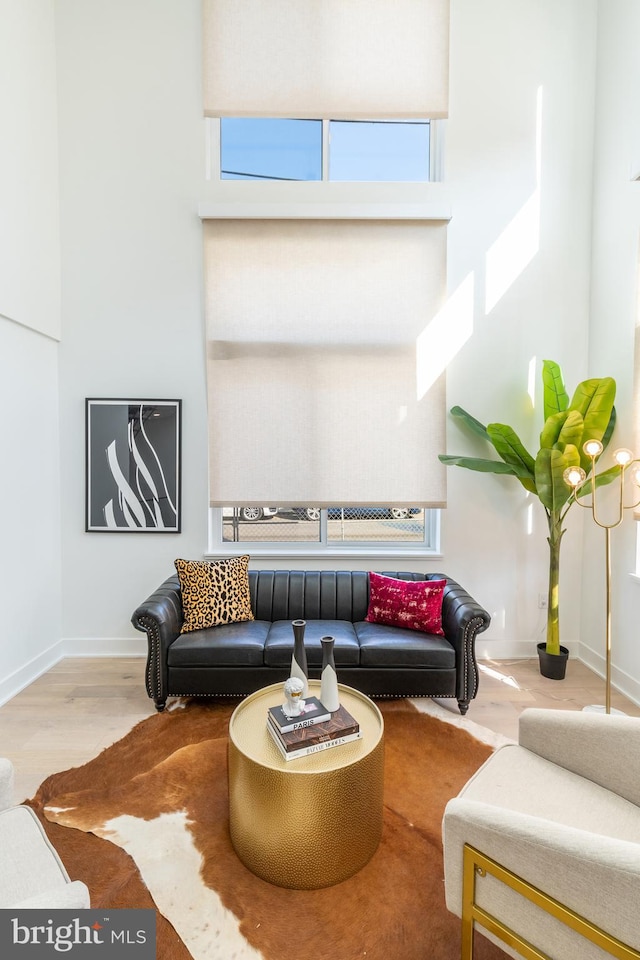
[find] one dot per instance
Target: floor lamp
(576, 478)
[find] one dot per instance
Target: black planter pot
(553, 665)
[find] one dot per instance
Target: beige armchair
(542, 845)
(31, 872)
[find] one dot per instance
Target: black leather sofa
(382, 661)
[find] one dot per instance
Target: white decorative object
(329, 678)
(293, 689)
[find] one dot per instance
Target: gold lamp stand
(576, 478)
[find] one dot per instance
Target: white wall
(614, 314)
(518, 158)
(29, 221)
(29, 299)
(518, 142)
(30, 571)
(131, 161)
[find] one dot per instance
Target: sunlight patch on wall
(519, 242)
(531, 381)
(444, 336)
(514, 249)
(530, 519)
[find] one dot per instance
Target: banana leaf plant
(568, 425)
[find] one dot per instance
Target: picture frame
(133, 465)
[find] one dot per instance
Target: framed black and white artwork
(133, 450)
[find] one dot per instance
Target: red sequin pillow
(414, 605)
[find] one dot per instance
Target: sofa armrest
(462, 620)
(595, 875)
(160, 617)
(6, 783)
(69, 896)
(603, 748)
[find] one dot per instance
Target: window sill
(436, 210)
(326, 201)
(349, 553)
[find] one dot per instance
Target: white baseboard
(513, 649)
(620, 680)
(21, 678)
(104, 647)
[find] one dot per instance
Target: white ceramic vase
(329, 678)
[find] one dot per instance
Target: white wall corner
(28, 672)
(620, 680)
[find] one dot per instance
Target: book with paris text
(313, 712)
(307, 740)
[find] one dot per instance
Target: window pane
(270, 525)
(379, 150)
(302, 525)
(254, 148)
(375, 525)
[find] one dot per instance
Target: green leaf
(556, 398)
(512, 450)
(610, 428)
(543, 477)
(474, 463)
(474, 425)
(551, 430)
(594, 399)
(572, 430)
(562, 430)
(553, 491)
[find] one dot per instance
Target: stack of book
(314, 730)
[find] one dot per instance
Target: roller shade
(326, 58)
(312, 332)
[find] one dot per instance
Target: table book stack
(314, 730)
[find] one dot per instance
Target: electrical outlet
(542, 601)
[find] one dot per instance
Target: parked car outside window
(250, 514)
(357, 513)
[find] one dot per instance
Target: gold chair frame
(476, 864)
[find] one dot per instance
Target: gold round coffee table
(310, 822)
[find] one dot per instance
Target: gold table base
(310, 822)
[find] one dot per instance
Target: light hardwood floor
(81, 706)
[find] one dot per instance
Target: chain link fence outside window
(304, 524)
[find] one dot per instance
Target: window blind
(326, 58)
(311, 355)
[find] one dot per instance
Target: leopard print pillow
(214, 592)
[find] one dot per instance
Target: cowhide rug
(159, 796)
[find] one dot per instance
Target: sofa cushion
(382, 646)
(214, 592)
(279, 644)
(413, 605)
(228, 645)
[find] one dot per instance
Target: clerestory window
(269, 148)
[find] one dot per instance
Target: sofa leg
(160, 704)
(463, 706)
